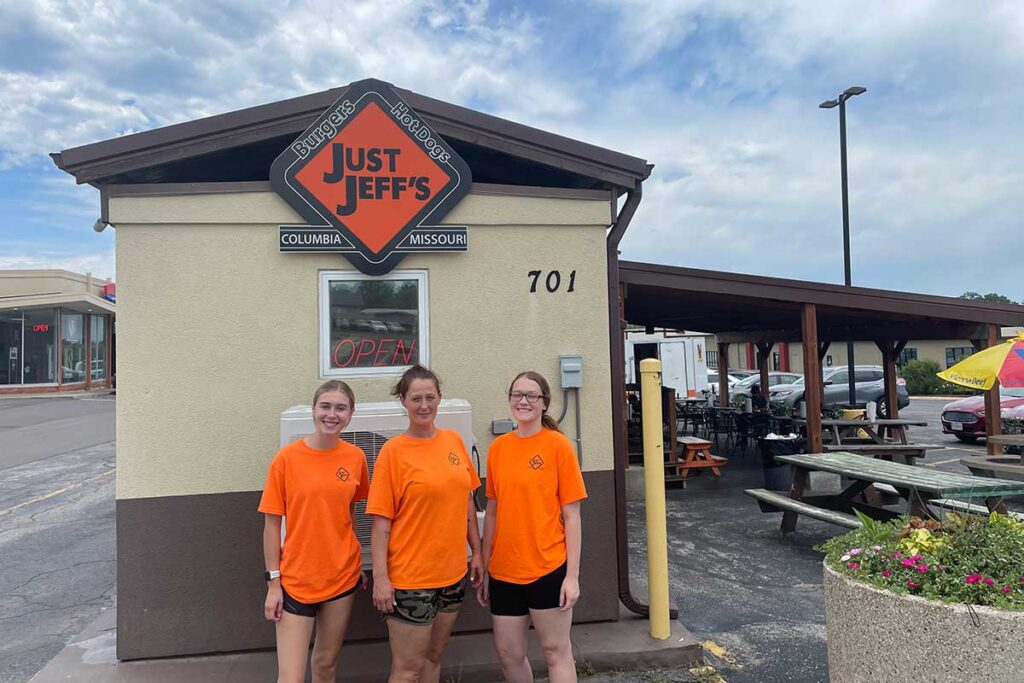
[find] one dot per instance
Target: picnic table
(848, 429)
(916, 485)
(696, 455)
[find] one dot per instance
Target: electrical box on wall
(572, 371)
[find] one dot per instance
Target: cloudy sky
(721, 96)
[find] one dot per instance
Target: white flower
(844, 558)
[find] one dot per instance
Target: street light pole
(829, 104)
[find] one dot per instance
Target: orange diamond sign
(373, 180)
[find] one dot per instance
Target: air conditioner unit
(372, 424)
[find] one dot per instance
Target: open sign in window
(372, 325)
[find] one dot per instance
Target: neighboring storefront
(344, 234)
(56, 331)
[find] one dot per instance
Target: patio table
(916, 485)
(840, 429)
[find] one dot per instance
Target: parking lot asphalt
(56, 525)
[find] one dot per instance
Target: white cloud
(720, 94)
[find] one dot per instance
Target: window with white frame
(372, 325)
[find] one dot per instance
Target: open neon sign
(361, 353)
(40, 328)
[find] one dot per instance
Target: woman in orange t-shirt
(532, 535)
(423, 512)
(314, 481)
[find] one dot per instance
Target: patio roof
(240, 145)
(754, 308)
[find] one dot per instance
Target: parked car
(742, 374)
(869, 386)
(713, 381)
(965, 418)
(774, 379)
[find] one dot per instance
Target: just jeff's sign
(373, 182)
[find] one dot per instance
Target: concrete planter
(875, 635)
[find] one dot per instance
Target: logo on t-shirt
(343, 474)
(536, 462)
(453, 459)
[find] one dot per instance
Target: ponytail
(549, 422)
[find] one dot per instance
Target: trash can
(778, 476)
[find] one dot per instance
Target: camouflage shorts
(422, 605)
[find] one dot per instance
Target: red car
(965, 419)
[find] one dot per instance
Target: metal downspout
(618, 369)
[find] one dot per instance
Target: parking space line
(38, 499)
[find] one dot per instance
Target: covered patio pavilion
(765, 311)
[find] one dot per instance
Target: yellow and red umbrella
(1004, 362)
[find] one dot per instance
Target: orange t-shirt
(531, 479)
(320, 557)
(423, 487)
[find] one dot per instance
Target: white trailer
(683, 360)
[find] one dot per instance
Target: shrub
(973, 560)
(921, 377)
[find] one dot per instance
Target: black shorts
(309, 609)
(516, 600)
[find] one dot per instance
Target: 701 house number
(552, 282)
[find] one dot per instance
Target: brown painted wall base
(189, 575)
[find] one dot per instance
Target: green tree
(991, 296)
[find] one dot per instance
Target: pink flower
(1006, 589)
(856, 551)
(922, 568)
(987, 581)
(917, 558)
(912, 585)
(853, 565)
(908, 563)
(886, 572)
(972, 579)
(898, 555)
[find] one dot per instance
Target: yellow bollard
(654, 489)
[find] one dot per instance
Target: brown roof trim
(823, 294)
(96, 161)
(177, 189)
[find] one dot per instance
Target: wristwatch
(272, 574)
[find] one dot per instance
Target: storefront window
(40, 358)
(10, 347)
(72, 349)
(372, 325)
(97, 347)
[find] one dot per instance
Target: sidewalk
(469, 658)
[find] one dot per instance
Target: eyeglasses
(517, 396)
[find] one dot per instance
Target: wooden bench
(775, 501)
(696, 455)
(971, 508)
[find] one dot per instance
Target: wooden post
(723, 374)
(764, 351)
(812, 376)
(993, 408)
(890, 352)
